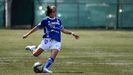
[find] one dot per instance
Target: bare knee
(54, 53)
(37, 52)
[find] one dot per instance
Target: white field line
(98, 54)
(10, 60)
(70, 63)
(110, 63)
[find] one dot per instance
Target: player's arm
(65, 31)
(30, 32)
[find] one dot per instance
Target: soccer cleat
(30, 48)
(45, 70)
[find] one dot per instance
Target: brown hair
(50, 9)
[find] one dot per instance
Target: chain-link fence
(1, 13)
(90, 13)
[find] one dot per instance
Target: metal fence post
(117, 14)
(8, 13)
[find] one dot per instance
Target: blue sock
(49, 62)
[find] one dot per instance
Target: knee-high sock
(49, 62)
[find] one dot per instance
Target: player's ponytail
(49, 9)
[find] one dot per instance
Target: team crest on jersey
(53, 24)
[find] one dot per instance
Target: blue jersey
(52, 28)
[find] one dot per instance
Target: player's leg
(54, 53)
(44, 45)
(35, 51)
(55, 48)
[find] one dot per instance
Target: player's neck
(51, 17)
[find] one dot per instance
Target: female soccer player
(52, 36)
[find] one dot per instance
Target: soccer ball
(37, 67)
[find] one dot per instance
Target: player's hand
(76, 36)
(25, 36)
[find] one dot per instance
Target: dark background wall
(22, 13)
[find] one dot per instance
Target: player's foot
(45, 70)
(30, 48)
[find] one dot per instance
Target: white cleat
(30, 48)
(45, 70)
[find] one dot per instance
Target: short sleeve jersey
(52, 28)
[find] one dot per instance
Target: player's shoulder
(58, 19)
(44, 20)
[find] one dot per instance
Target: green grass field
(95, 53)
